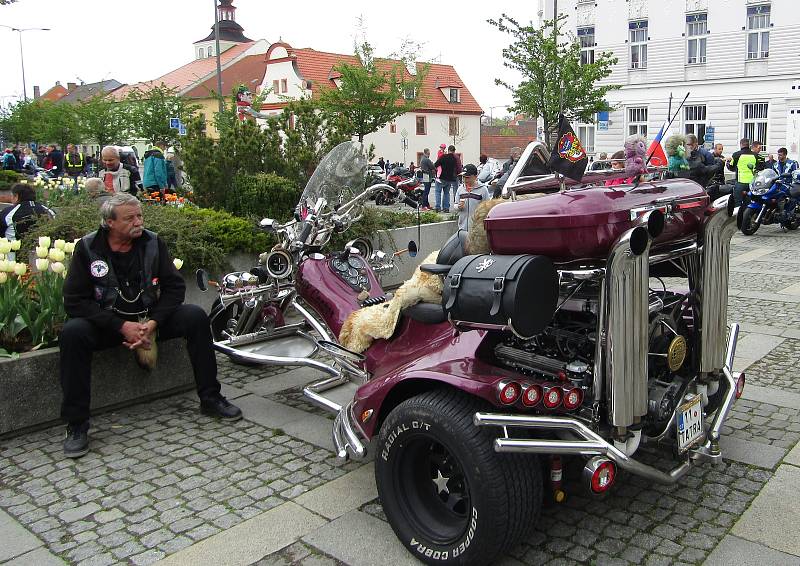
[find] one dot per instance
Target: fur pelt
(147, 359)
(379, 321)
(477, 242)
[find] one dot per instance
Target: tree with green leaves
(19, 121)
(59, 123)
(150, 109)
(102, 120)
(310, 131)
(553, 78)
(372, 92)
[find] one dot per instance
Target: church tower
(230, 33)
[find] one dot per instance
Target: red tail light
(552, 397)
(573, 398)
(532, 395)
(599, 474)
(508, 392)
(739, 384)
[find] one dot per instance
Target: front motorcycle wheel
(749, 224)
(450, 498)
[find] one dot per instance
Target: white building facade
(737, 60)
(449, 114)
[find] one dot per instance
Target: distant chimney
(71, 86)
(36, 92)
(58, 83)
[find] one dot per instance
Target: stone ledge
(31, 389)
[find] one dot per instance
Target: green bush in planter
(200, 237)
(262, 195)
(8, 178)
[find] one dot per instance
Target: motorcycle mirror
(412, 249)
(202, 279)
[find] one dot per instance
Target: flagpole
(668, 125)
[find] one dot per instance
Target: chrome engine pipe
(591, 444)
(622, 347)
(712, 287)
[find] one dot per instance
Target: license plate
(690, 423)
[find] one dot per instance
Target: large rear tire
(749, 224)
(450, 498)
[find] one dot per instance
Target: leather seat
(451, 252)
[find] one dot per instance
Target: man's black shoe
(220, 408)
(76, 440)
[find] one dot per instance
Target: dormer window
(201, 53)
(454, 95)
(410, 93)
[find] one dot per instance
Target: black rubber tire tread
(516, 480)
(749, 226)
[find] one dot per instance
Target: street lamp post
(216, 51)
(21, 56)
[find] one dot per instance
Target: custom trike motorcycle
(596, 326)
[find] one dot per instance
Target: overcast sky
(135, 40)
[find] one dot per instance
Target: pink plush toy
(635, 153)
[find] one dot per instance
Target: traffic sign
(175, 123)
(182, 130)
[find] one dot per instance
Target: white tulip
(69, 247)
(15, 245)
(4, 265)
(41, 252)
(59, 244)
(20, 268)
(44, 241)
(58, 267)
(42, 264)
(178, 263)
(56, 254)
(5, 246)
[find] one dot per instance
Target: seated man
(16, 220)
(121, 287)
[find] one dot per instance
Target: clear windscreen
(338, 178)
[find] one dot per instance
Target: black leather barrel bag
(516, 293)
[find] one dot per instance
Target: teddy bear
(635, 152)
(676, 153)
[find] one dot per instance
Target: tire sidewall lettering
(398, 431)
(454, 551)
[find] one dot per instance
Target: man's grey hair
(109, 209)
(692, 139)
(94, 186)
(110, 149)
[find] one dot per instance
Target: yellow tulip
(56, 254)
(6, 266)
(178, 263)
(3, 277)
(5, 246)
(58, 267)
(15, 245)
(69, 247)
(59, 244)
(41, 252)
(44, 241)
(42, 264)
(20, 268)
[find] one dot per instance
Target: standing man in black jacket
(121, 287)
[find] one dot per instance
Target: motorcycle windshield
(338, 178)
(764, 179)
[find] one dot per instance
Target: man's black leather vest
(106, 284)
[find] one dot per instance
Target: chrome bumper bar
(589, 443)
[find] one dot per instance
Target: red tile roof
(187, 75)
(317, 66)
(248, 71)
(57, 92)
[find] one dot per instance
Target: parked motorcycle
(553, 345)
(408, 187)
(772, 199)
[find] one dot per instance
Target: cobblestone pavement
(161, 477)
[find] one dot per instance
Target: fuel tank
(584, 223)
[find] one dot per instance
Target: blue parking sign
(182, 130)
(175, 123)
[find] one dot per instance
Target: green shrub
(262, 195)
(200, 237)
(8, 178)
(376, 219)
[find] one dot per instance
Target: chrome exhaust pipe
(625, 307)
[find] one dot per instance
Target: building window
(393, 128)
(276, 86)
(758, 31)
(421, 126)
(453, 95)
(694, 121)
(452, 126)
(210, 51)
(202, 53)
(754, 121)
(696, 30)
(284, 86)
(637, 121)
(586, 135)
(410, 93)
(586, 38)
(637, 37)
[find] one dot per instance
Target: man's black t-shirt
(448, 163)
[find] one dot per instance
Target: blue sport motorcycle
(772, 199)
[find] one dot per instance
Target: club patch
(98, 268)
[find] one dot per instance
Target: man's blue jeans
(444, 204)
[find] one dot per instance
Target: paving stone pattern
(294, 397)
(761, 311)
(299, 554)
(159, 478)
(761, 281)
(239, 375)
(779, 370)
